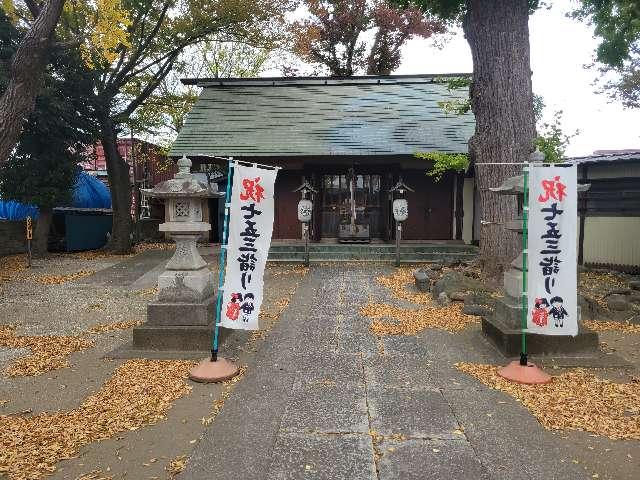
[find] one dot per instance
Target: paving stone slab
(326, 407)
(446, 376)
(316, 323)
(126, 272)
(240, 442)
(469, 345)
(353, 322)
(412, 413)
(323, 457)
(399, 371)
(356, 343)
(286, 353)
(322, 365)
(401, 344)
(509, 440)
(432, 460)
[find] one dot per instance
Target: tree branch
(33, 7)
(146, 91)
(118, 80)
(27, 67)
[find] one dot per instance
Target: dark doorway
(285, 222)
(430, 208)
(335, 206)
(214, 220)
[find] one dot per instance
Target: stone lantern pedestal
(182, 317)
(504, 326)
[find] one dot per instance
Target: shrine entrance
(348, 195)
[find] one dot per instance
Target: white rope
(238, 162)
(532, 164)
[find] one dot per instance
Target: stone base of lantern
(173, 338)
(177, 326)
(503, 329)
(182, 314)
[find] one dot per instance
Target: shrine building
(352, 139)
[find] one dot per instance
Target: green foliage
(552, 141)
(43, 168)
(538, 107)
(454, 83)
(617, 23)
(450, 10)
(458, 106)
(444, 162)
(43, 181)
(136, 68)
(455, 107)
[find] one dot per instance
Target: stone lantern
(182, 316)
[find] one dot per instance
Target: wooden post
(306, 244)
(398, 236)
(582, 211)
(29, 238)
(459, 205)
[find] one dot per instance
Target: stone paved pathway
(325, 399)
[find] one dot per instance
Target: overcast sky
(560, 47)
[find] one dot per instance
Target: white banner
(552, 270)
(250, 228)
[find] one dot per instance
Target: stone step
(368, 256)
(375, 248)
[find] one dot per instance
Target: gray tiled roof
(318, 116)
(608, 157)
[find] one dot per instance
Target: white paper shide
(250, 229)
(552, 276)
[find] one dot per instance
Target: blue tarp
(11, 210)
(88, 192)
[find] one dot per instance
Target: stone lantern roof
(183, 184)
(515, 185)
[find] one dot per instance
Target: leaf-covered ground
(139, 393)
(394, 320)
(574, 400)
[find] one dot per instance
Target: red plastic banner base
(212, 372)
(526, 374)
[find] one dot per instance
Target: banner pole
(223, 250)
(525, 254)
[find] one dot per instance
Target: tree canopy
(331, 37)
(131, 46)
(43, 166)
(617, 25)
(449, 10)
(161, 116)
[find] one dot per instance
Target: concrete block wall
(12, 237)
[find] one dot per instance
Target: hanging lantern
(400, 209)
(305, 207)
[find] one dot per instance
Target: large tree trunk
(27, 68)
(502, 101)
(41, 233)
(120, 185)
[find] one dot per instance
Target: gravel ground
(118, 291)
